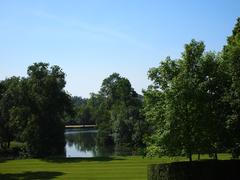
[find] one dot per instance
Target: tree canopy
(33, 108)
(193, 104)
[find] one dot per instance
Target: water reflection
(83, 143)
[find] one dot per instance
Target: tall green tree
(10, 97)
(212, 109)
(158, 108)
(124, 122)
(44, 132)
(231, 56)
(183, 106)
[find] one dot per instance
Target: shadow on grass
(2, 159)
(31, 175)
(74, 160)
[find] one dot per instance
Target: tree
(157, 108)
(231, 57)
(212, 109)
(103, 121)
(75, 116)
(184, 103)
(124, 121)
(9, 98)
(44, 132)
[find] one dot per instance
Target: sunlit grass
(85, 168)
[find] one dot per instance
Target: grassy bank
(113, 168)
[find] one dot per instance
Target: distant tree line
(193, 105)
(84, 111)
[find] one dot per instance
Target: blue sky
(90, 39)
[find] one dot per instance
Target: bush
(16, 150)
(196, 170)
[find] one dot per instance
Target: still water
(83, 143)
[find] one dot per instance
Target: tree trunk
(8, 144)
(190, 156)
(235, 153)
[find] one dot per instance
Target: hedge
(196, 170)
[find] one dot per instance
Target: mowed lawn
(114, 168)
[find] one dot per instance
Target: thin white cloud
(90, 28)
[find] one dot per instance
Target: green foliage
(184, 103)
(10, 97)
(45, 130)
(193, 104)
(119, 116)
(33, 108)
(85, 110)
(231, 60)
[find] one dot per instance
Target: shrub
(16, 149)
(196, 170)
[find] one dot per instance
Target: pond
(83, 143)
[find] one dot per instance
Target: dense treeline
(85, 111)
(35, 109)
(193, 105)
(32, 110)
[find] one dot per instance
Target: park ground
(102, 168)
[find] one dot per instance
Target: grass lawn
(114, 168)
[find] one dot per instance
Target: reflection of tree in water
(104, 150)
(87, 140)
(82, 140)
(106, 147)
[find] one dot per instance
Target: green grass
(114, 168)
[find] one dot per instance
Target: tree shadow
(4, 159)
(30, 175)
(76, 159)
